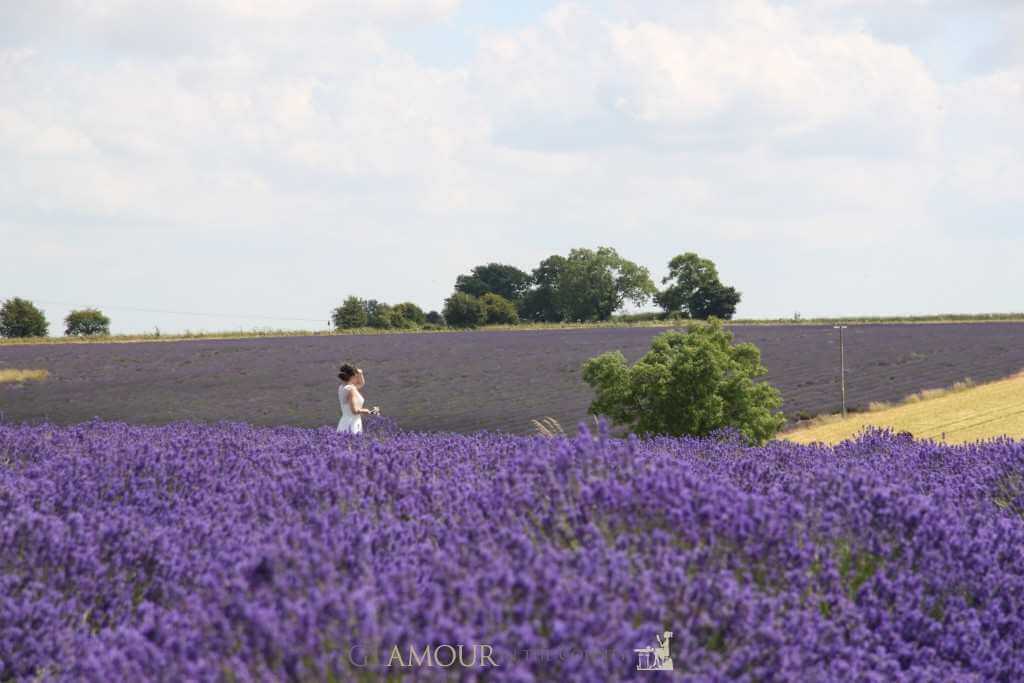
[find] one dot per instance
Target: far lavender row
(464, 381)
(230, 552)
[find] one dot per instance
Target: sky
(253, 162)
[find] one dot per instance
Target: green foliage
(407, 314)
(715, 300)
(463, 310)
(856, 568)
(496, 278)
(397, 321)
(688, 383)
(351, 314)
(20, 318)
(696, 290)
(435, 318)
(498, 310)
(378, 314)
(86, 323)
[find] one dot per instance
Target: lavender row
(230, 552)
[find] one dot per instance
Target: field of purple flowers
(230, 552)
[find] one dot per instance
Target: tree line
(587, 285)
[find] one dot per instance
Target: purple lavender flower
(219, 552)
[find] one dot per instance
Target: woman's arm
(352, 404)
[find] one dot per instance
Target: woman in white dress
(351, 400)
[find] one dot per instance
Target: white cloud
(762, 75)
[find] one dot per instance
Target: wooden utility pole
(842, 364)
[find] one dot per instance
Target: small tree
(463, 310)
(351, 314)
(86, 322)
(435, 318)
(498, 310)
(20, 318)
(407, 314)
(688, 383)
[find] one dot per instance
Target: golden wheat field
(958, 416)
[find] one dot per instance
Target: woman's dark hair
(346, 372)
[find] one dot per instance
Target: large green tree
(496, 278)
(593, 284)
(688, 383)
(86, 323)
(21, 318)
(696, 289)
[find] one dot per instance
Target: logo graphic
(655, 658)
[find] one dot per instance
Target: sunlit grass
(962, 413)
(17, 375)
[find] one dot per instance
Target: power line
(197, 313)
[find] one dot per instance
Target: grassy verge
(962, 413)
(14, 375)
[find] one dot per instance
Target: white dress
(350, 422)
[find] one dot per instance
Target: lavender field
(236, 553)
(468, 381)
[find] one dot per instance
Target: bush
(498, 310)
(407, 314)
(689, 383)
(86, 323)
(435, 318)
(463, 310)
(20, 318)
(351, 314)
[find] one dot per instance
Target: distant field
(468, 381)
(983, 412)
(647, 320)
